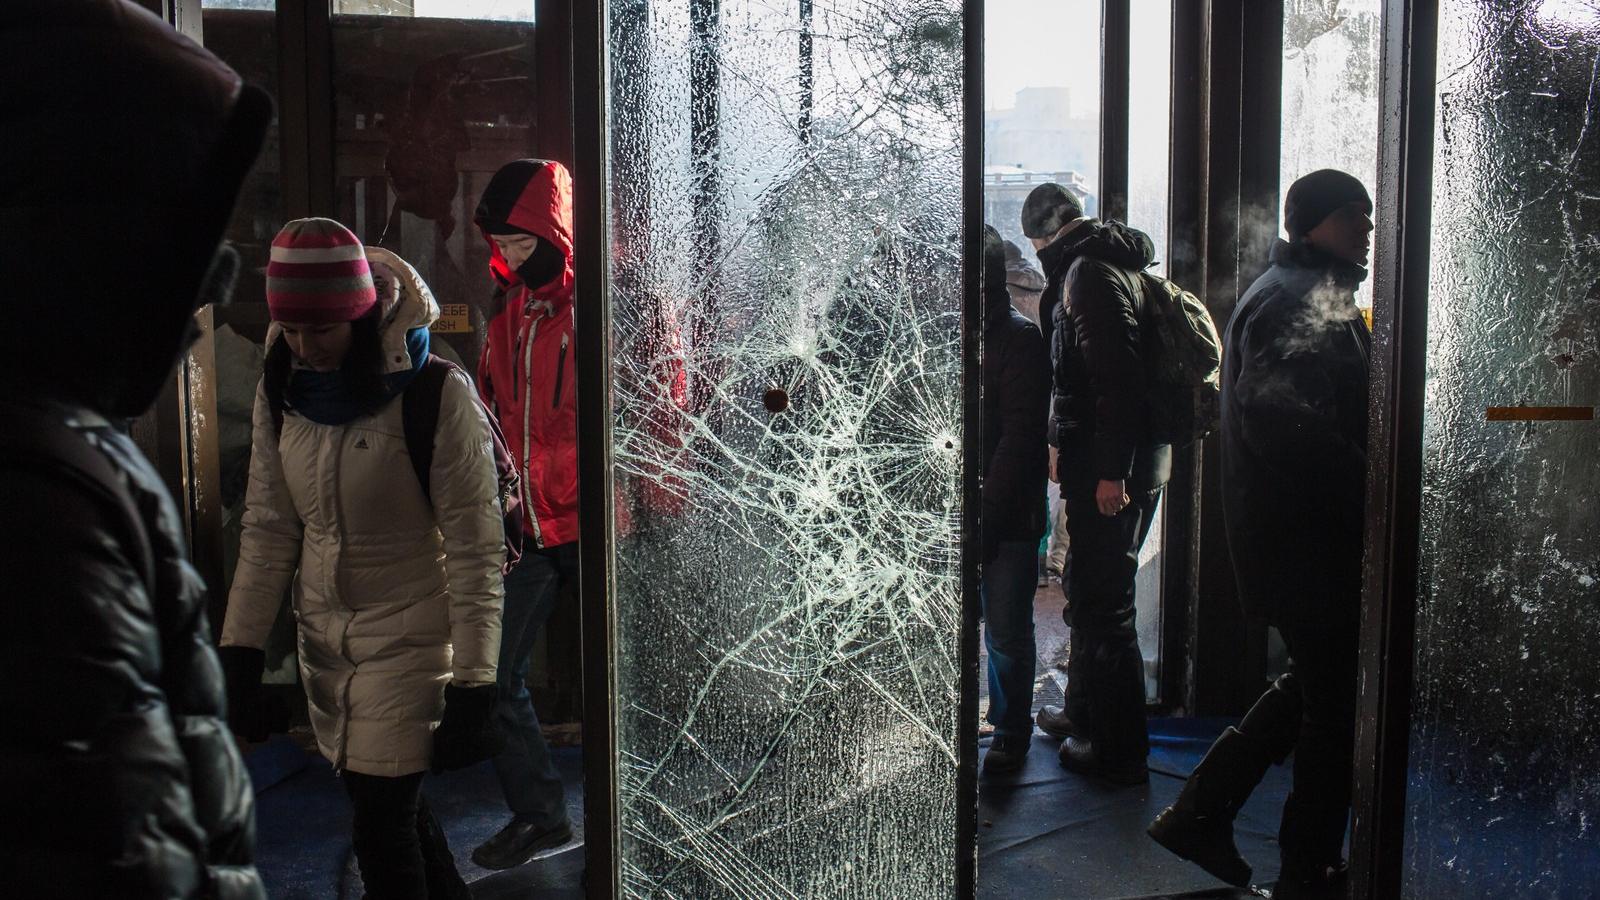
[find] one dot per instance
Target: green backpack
(1183, 360)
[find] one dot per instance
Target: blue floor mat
(303, 828)
(1043, 832)
(1046, 832)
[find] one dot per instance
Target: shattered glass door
(785, 232)
(1504, 792)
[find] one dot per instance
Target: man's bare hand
(1054, 461)
(1111, 497)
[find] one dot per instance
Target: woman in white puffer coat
(397, 600)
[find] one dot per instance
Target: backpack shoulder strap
(44, 440)
(419, 417)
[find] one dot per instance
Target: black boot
(1198, 826)
(444, 880)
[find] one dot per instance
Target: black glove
(468, 731)
(251, 716)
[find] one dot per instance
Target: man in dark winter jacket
(1294, 463)
(1111, 472)
(124, 148)
(1016, 395)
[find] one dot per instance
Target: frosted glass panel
(1504, 799)
(785, 234)
(1330, 95)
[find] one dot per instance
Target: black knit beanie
(1318, 195)
(1048, 207)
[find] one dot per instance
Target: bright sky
(517, 10)
(1042, 43)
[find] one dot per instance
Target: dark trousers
(399, 845)
(1324, 661)
(1105, 671)
(528, 778)
(1007, 590)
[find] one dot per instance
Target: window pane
(500, 10)
(786, 359)
(426, 110)
(1042, 110)
(1330, 94)
(243, 34)
(1504, 799)
(1149, 177)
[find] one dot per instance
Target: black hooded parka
(1101, 413)
(125, 145)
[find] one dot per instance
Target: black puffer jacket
(1294, 438)
(1016, 394)
(1101, 412)
(124, 149)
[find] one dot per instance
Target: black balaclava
(542, 266)
(1316, 196)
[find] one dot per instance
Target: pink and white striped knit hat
(318, 274)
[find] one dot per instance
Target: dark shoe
(518, 842)
(1053, 721)
(1078, 755)
(1206, 841)
(1006, 754)
(1198, 826)
(1324, 884)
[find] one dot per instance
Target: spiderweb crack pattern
(788, 591)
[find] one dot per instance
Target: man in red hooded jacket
(526, 378)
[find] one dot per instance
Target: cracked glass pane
(785, 234)
(1504, 794)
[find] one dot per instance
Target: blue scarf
(325, 397)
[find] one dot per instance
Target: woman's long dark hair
(362, 366)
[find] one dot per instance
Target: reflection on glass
(1504, 799)
(425, 111)
(243, 34)
(786, 199)
(1330, 96)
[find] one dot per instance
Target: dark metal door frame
(1394, 475)
(602, 842)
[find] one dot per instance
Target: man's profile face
(1346, 233)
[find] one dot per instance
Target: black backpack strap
(419, 417)
(43, 440)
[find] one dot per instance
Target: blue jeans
(1007, 593)
(528, 778)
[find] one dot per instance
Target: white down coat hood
(393, 598)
